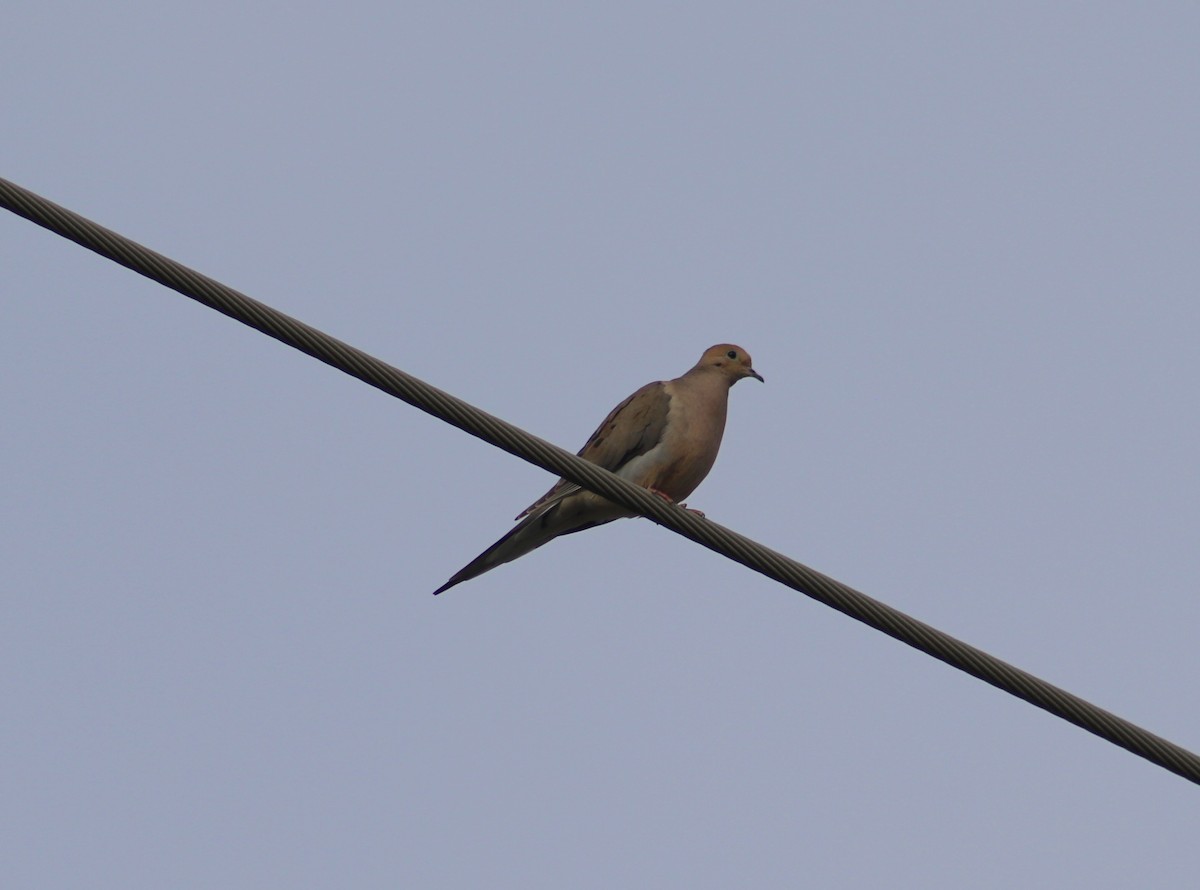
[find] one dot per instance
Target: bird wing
(631, 429)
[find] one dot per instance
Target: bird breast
(691, 439)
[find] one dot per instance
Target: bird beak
(757, 376)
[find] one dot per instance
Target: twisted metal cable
(556, 460)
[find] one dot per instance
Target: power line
(556, 460)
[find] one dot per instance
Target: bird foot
(670, 500)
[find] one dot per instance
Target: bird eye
(731, 353)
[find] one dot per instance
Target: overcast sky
(961, 245)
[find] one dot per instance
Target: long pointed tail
(529, 534)
(516, 543)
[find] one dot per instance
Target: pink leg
(666, 497)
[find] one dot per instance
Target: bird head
(731, 361)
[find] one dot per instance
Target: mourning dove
(664, 437)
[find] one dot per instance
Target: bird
(664, 438)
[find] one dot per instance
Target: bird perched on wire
(664, 437)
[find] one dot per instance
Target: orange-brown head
(731, 361)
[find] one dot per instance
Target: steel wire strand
(556, 460)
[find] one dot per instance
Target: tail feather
(528, 535)
(504, 550)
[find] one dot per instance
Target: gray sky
(960, 244)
